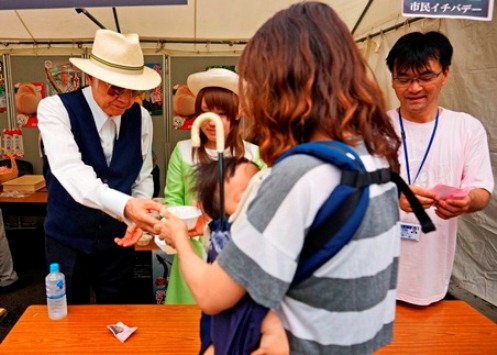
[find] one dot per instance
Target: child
(239, 329)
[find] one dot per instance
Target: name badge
(410, 231)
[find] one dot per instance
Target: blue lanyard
(403, 135)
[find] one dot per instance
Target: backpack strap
(341, 214)
(427, 225)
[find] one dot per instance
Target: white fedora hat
(118, 60)
(214, 77)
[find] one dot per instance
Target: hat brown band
(113, 65)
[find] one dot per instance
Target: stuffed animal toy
(183, 107)
(27, 99)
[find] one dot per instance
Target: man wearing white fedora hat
(97, 152)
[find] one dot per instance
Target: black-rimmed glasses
(403, 81)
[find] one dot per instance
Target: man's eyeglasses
(113, 90)
(403, 81)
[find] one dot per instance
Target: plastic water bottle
(55, 284)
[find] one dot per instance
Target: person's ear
(445, 75)
(89, 80)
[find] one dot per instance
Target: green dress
(178, 191)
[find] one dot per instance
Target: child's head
(237, 175)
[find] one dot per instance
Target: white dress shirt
(79, 179)
(108, 136)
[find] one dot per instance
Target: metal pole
(90, 16)
(116, 19)
(361, 17)
(9, 92)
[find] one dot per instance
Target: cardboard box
(29, 183)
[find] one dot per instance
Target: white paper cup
(188, 214)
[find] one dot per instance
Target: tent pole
(116, 19)
(359, 20)
(90, 16)
(9, 92)
(229, 42)
(388, 29)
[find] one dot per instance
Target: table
(161, 330)
(447, 327)
(32, 204)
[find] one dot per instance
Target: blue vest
(71, 223)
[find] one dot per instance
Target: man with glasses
(97, 152)
(439, 146)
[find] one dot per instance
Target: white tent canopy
(205, 22)
(223, 26)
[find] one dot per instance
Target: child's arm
(273, 339)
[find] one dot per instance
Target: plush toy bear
(183, 107)
(27, 99)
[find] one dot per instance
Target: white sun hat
(117, 59)
(214, 77)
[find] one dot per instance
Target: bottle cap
(54, 267)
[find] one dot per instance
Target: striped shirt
(348, 304)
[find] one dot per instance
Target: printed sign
(62, 77)
(463, 9)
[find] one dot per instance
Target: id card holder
(410, 231)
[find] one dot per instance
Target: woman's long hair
(302, 73)
(227, 102)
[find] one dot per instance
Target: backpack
(341, 214)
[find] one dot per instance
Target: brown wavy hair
(226, 101)
(302, 73)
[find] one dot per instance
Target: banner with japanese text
(462, 9)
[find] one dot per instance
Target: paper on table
(449, 192)
(121, 331)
